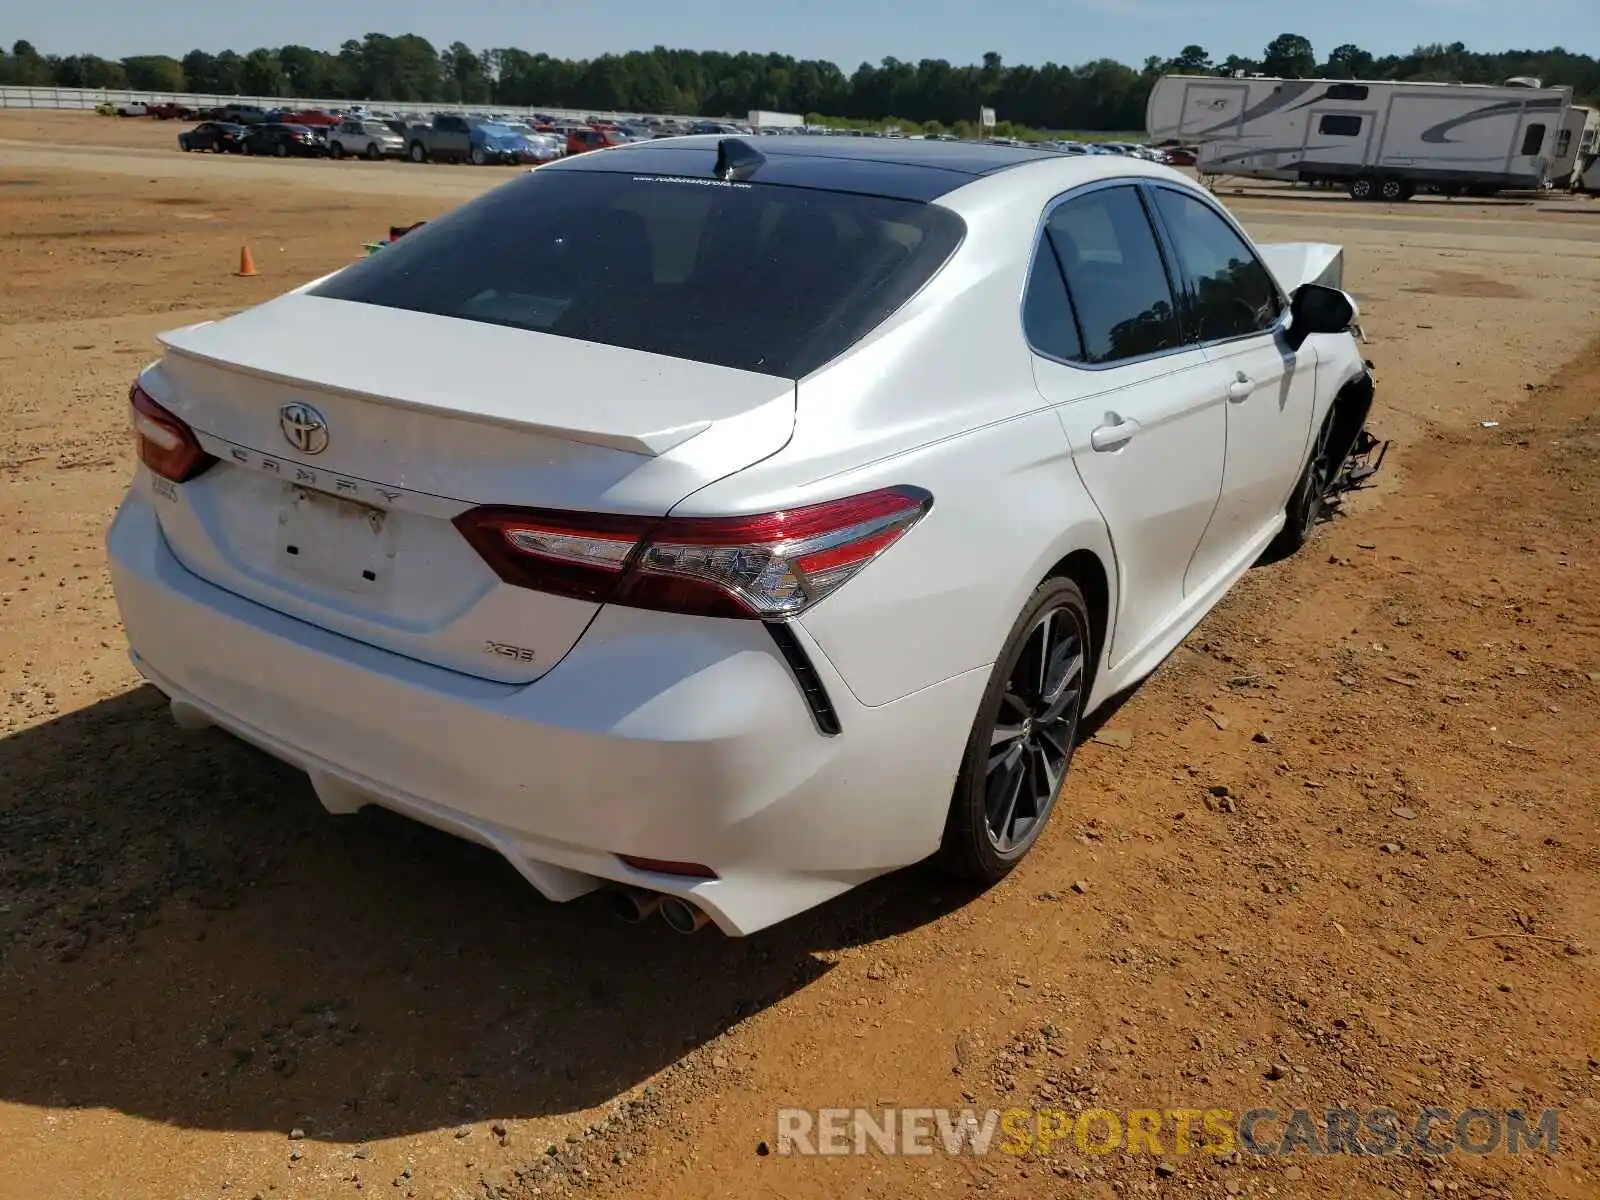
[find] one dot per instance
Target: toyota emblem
(303, 427)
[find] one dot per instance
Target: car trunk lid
(349, 436)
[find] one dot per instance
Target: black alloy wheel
(1022, 742)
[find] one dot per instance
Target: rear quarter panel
(942, 396)
(1008, 506)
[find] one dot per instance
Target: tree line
(933, 93)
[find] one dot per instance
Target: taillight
(166, 444)
(770, 565)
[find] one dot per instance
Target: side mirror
(1318, 309)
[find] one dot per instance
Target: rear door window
(1047, 317)
(1115, 274)
(765, 278)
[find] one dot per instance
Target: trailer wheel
(1364, 188)
(1393, 190)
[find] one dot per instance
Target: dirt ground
(1395, 904)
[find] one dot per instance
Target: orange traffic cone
(247, 263)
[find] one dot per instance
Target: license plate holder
(335, 542)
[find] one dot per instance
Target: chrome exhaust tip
(682, 916)
(634, 904)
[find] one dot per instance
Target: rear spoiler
(1296, 263)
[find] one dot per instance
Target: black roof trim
(899, 168)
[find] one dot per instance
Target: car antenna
(737, 160)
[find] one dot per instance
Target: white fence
(87, 99)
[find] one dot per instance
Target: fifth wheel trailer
(1382, 140)
(776, 122)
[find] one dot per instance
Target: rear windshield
(765, 278)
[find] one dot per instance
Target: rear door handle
(1116, 433)
(1241, 388)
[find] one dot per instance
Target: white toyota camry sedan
(731, 525)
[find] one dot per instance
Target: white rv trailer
(776, 122)
(1382, 140)
(1575, 145)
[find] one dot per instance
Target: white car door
(1143, 411)
(1235, 308)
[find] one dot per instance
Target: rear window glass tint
(1115, 275)
(765, 278)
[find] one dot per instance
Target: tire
(479, 158)
(185, 147)
(1364, 188)
(373, 154)
(281, 150)
(987, 835)
(1392, 191)
(336, 150)
(1304, 510)
(417, 153)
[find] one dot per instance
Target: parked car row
(502, 138)
(276, 138)
(446, 137)
(165, 111)
(361, 132)
(1171, 156)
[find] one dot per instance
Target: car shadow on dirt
(186, 936)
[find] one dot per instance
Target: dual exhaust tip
(635, 905)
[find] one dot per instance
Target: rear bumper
(659, 736)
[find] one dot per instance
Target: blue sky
(846, 31)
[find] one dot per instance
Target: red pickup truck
(580, 140)
(314, 117)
